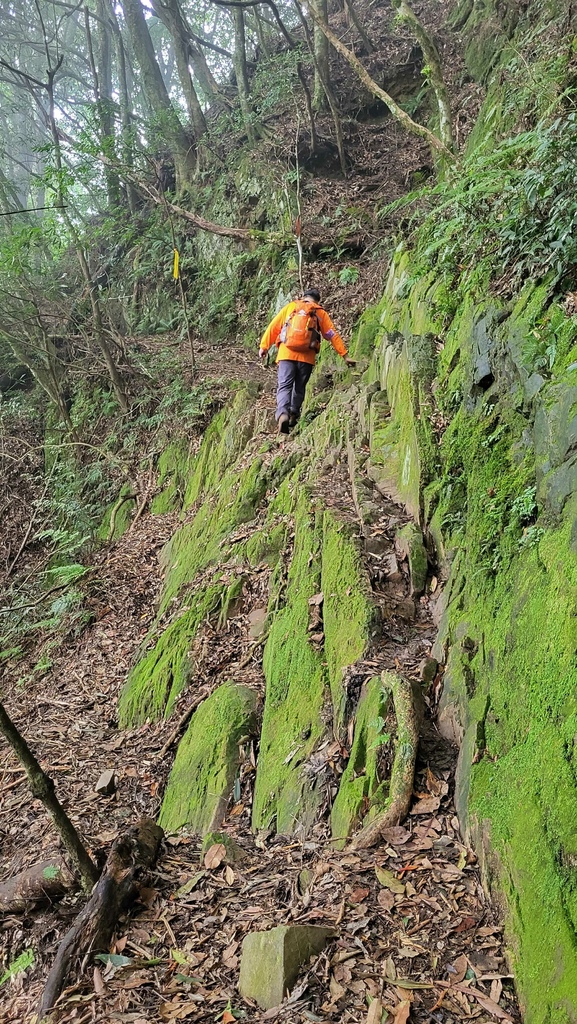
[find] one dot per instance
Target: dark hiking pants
(292, 380)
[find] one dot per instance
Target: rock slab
(271, 960)
(410, 545)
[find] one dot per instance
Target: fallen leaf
(402, 1012)
(375, 1013)
(336, 989)
(458, 969)
(395, 835)
(229, 875)
(389, 880)
(390, 971)
(228, 1017)
(434, 785)
(412, 985)
(99, 986)
(214, 856)
(386, 899)
(465, 924)
(188, 886)
(358, 895)
(428, 805)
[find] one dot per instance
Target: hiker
(297, 331)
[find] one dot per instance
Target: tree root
(408, 713)
(42, 883)
(117, 887)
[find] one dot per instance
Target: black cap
(313, 293)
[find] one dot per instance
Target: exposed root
(118, 885)
(408, 715)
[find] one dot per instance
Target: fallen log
(407, 701)
(131, 854)
(42, 883)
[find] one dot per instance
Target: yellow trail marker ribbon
(175, 272)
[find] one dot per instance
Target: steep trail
(404, 939)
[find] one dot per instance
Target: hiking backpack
(301, 332)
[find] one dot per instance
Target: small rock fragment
(106, 783)
(391, 567)
(409, 542)
(271, 960)
(406, 610)
(257, 619)
(428, 669)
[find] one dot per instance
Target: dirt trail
(422, 938)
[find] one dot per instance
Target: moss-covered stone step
(207, 760)
(271, 960)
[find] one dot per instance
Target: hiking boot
(293, 420)
(283, 423)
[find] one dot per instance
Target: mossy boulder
(207, 760)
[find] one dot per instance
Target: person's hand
(350, 362)
(262, 354)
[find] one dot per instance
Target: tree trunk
(319, 10)
(130, 856)
(353, 19)
(433, 62)
(397, 111)
(102, 82)
(327, 90)
(157, 96)
(408, 714)
(43, 789)
(98, 324)
(169, 14)
(124, 102)
(241, 72)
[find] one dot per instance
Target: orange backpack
(301, 332)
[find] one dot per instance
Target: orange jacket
(271, 335)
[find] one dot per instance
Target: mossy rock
(174, 466)
(294, 719)
(271, 960)
(159, 676)
(348, 611)
(207, 760)
(360, 784)
(409, 541)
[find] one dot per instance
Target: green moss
(173, 472)
(200, 542)
(361, 780)
(222, 444)
(157, 679)
(207, 760)
(347, 609)
(296, 690)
